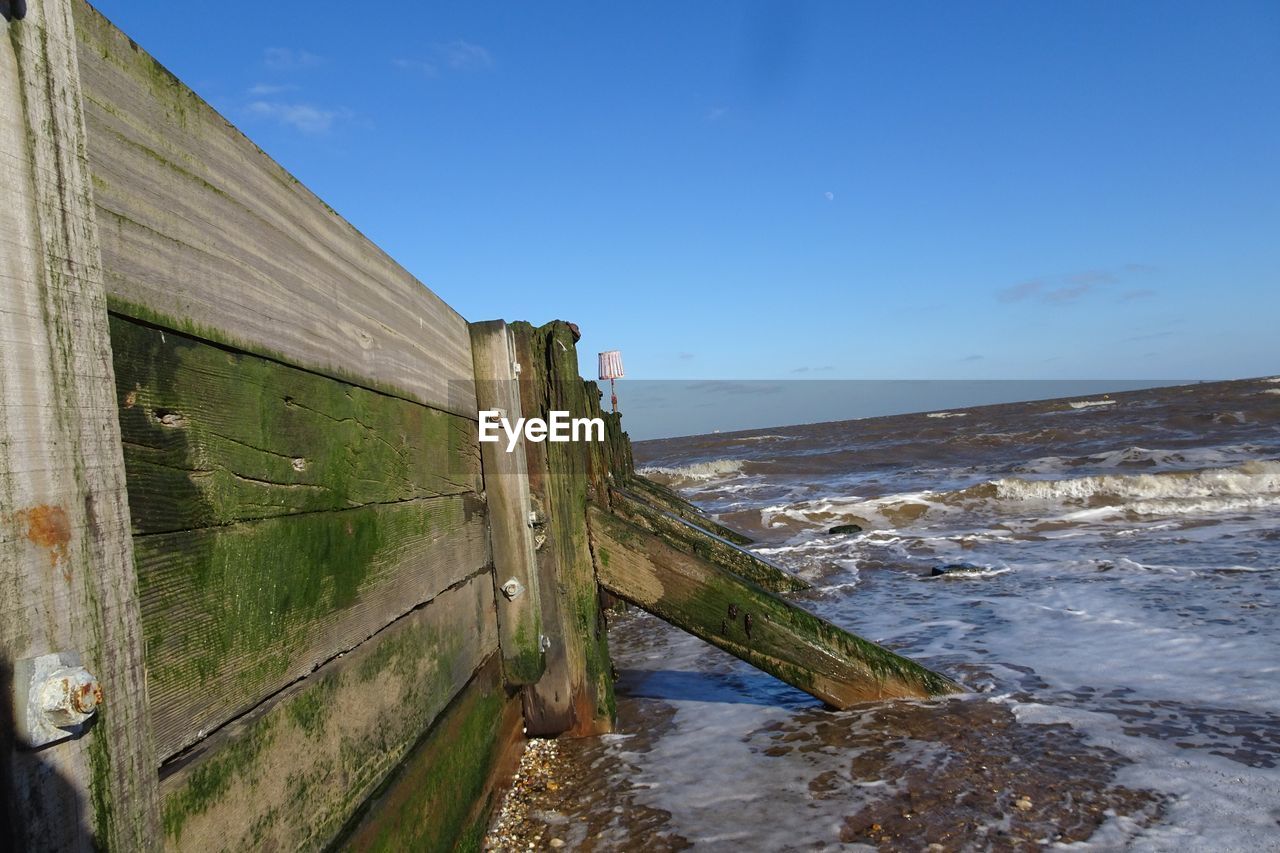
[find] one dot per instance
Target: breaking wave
(1252, 484)
(1086, 404)
(698, 472)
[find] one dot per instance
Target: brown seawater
(1116, 621)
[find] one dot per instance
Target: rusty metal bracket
(55, 698)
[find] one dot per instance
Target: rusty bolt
(69, 696)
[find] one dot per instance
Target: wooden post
(575, 694)
(66, 557)
(747, 621)
(506, 485)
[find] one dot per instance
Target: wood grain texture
(548, 703)
(234, 613)
(66, 564)
(506, 485)
(443, 796)
(766, 631)
(213, 436)
(691, 539)
(204, 233)
(561, 476)
(292, 773)
(665, 499)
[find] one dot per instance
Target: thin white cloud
(262, 90)
(306, 118)
(419, 66)
(462, 55)
(1141, 293)
(458, 55)
(1063, 289)
(288, 59)
(717, 113)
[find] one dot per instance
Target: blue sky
(808, 190)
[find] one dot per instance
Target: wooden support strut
(66, 558)
(506, 484)
(706, 599)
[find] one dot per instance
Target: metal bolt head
(69, 696)
(512, 589)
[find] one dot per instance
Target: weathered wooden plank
(691, 539)
(548, 703)
(292, 773)
(751, 623)
(442, 797)
(66, 563)
(572, 479)
(213, 436)
(665, 499)
(506, 484)
(560, 475)
(234, 613)
(202, 232)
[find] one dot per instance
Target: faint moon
(830, 196)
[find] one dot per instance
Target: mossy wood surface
(66, 560)
(665, 499)
(203, 232)
(570, 477)
(548, 703)
(441, 799)
(751, 623)
(506, 487)
(290, 775)
(213, 436)
(232, 614)
(694, 540)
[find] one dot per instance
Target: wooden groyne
(244, 497)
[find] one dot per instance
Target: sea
(1102, 574)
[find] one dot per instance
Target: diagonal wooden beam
(751, 623)
(694, 539)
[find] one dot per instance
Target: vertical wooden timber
(66, 558)
(506, 485)
(548, 708)
(575, 694)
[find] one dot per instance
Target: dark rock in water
(957, 569)
(845, 528)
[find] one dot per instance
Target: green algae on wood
(213, 436)
(506, 486)
(571, 478)
(668, 501)
(442, 796)
(294, 772)
(734, 614)
(692, 539)
(233, 613)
